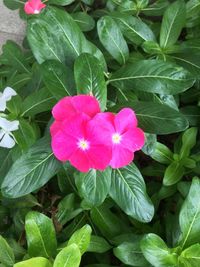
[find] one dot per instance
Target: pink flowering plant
(99, 148)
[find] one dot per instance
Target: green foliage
(131, 53)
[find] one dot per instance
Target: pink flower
(120, 132)
(33, 6)
(70, 106)
(78, 141)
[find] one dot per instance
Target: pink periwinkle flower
(33, 6)
(89, 139)
(120, 132)
(70, 106)
(78, 141)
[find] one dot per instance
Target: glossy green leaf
(37, 102)
(98, 245)
(162, 154)
(41, 235)
(157, 253)
(69, 256)
(6, 253)
(172, 23)
(12, 56)
(173, 173)
(31, 171)
(94, 186)
(157, 118)
(107, 222)
(112, 39)
(128, 190)
(26, 135)
(38, 261)
(57, 78)
(81, 238)
(188, 142)
(134, 29)
(6, 162)
(190, 257)
(152, 76)
(89, 77)
(130, 253)
(66, 45)
(85, 21)
(189, 218)
(61, 2)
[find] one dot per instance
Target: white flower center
(36, 11)
(116, 138)
(83, 144)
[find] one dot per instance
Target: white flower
(6, 129)
(6, 96)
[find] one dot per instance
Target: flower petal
(2, 104)
(63, 146)
(69, 106)
(8, 93)
(125, 120)
(86, 104)
(7, 141)
(101, 128)
(63, 109)
(121, 157)
(80, 161)
(133, 139)
(9, 126)
(100, 156)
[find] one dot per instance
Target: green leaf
(162, 154)
(90, 79)
(67, 209)
(81, 238)
(156, 8)
(128, 190)
(189, 61)
(37, 102)
(190, 257)
(39, 261)
(134, 29)
(157, 118)
(130, 253)
(152, 76)
(189, 218)
(6, 162)
(61, 2)
(12, 56)
(94, 186)
(57, 78)
(192, 113)
(26, 135)
(66, 45)
(107, 222)
(172, 23)
(188, 142)
(112, 39)
(69, 256)
(6, 253)
(31, 171)
(85, 21)
(173, 173)
(157, 253)
(40, 234)
(98, 245)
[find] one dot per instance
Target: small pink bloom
(78, 141)
(33, 6)
(120, 131)
(70, 106)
